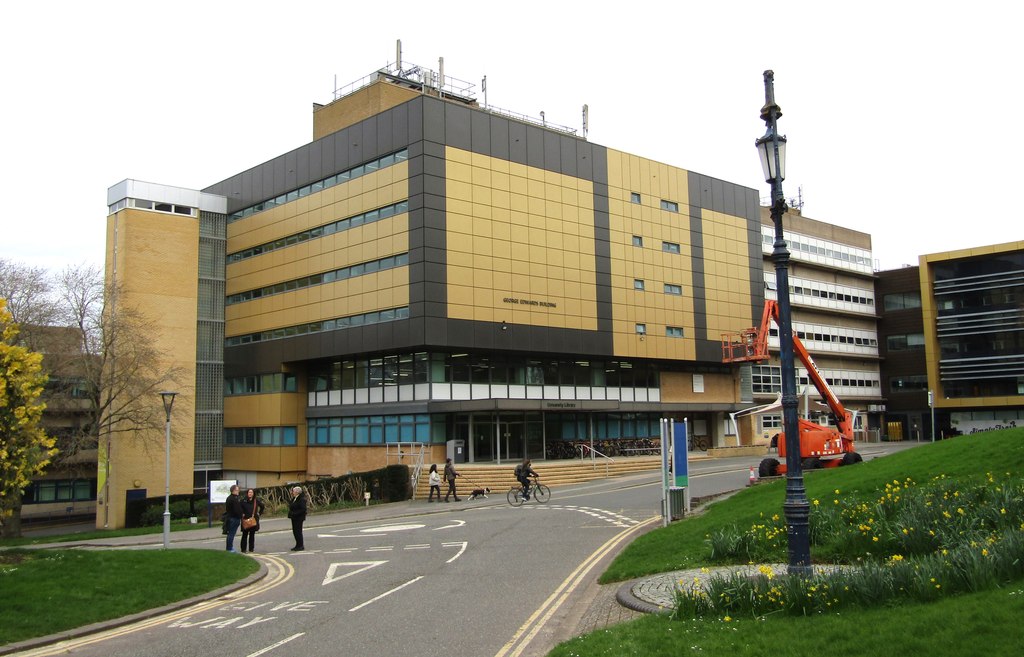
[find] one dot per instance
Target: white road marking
(386, 593)
(456, 523)
(331, 577)
(461, 545)
(382, 548)
(275, 645)
(422, 546)
(391, 528)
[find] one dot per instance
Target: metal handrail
(585, 448)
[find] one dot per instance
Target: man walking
(450, 474)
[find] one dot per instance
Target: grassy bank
(888, 513)
(48, 591)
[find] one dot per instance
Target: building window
(674, 331)
(259, 436)
(641, 329)
(638, 241)
(671, 206)
(670, 247)
(908, 383)
(675, 290)
(634, 197)
(907, 342)
(638, 284)
(902, 301)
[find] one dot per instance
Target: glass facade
(980, 325)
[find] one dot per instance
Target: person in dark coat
(233, 510)
(450, 473)
(297, 513)
(252, 507)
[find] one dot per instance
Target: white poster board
(220, 489)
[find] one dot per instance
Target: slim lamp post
(772, 149)
(168, 399)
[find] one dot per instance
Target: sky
(899, 115)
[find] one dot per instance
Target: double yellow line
(536, 622)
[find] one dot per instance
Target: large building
(832, 295)
(430, 275)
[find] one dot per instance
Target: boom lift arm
(816, 441)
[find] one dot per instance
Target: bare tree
(122, 366)
(105, 368)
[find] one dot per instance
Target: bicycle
(538, 492)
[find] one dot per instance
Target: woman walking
(252, 509)
(435, 483)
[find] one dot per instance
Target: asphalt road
(475, 578)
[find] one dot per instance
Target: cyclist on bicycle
(523, 474)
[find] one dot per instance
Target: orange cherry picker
(820, 446)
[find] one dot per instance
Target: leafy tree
(25, 449)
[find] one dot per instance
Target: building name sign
(561, 405)
(516, 301)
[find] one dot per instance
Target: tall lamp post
(168, 399)
(772, 149)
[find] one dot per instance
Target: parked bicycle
(538, 492)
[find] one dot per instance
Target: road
(476, 578)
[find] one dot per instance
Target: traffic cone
(753, 477)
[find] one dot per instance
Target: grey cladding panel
(302, 167)
(552, 151)
(415, 122)
(386, 133)
(457, 127)
(517, 142)
(568, 157)
(368, 139)
(433, 121)
(534, 147)
(481, 132)
(327, 146)
(291, 179)
(499, 137)
(316, 169)
(585, 160)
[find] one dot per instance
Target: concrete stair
(499, 478)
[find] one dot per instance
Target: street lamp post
(168, 399)
(772, 149)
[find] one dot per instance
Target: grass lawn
(968, 624)
(47, 591)
(986, 623)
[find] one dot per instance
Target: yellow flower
(874, 539)
(727, 619)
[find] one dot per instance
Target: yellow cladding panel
(652, 307)
(354, 197)
(357, 106)
(509, 249)
(354, 296)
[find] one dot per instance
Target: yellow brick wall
(154, 258)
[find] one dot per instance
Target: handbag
(248, 523)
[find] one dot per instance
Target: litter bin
(456, 450)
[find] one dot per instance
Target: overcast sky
(898, 114)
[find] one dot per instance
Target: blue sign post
(680, 460)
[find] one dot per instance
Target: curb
(102, 626)
(624, 596)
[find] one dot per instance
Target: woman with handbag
(252, 509)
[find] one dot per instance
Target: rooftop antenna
(586, 119)
(543, 119)
(440, 77)
(398, 55)
(483, 87)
